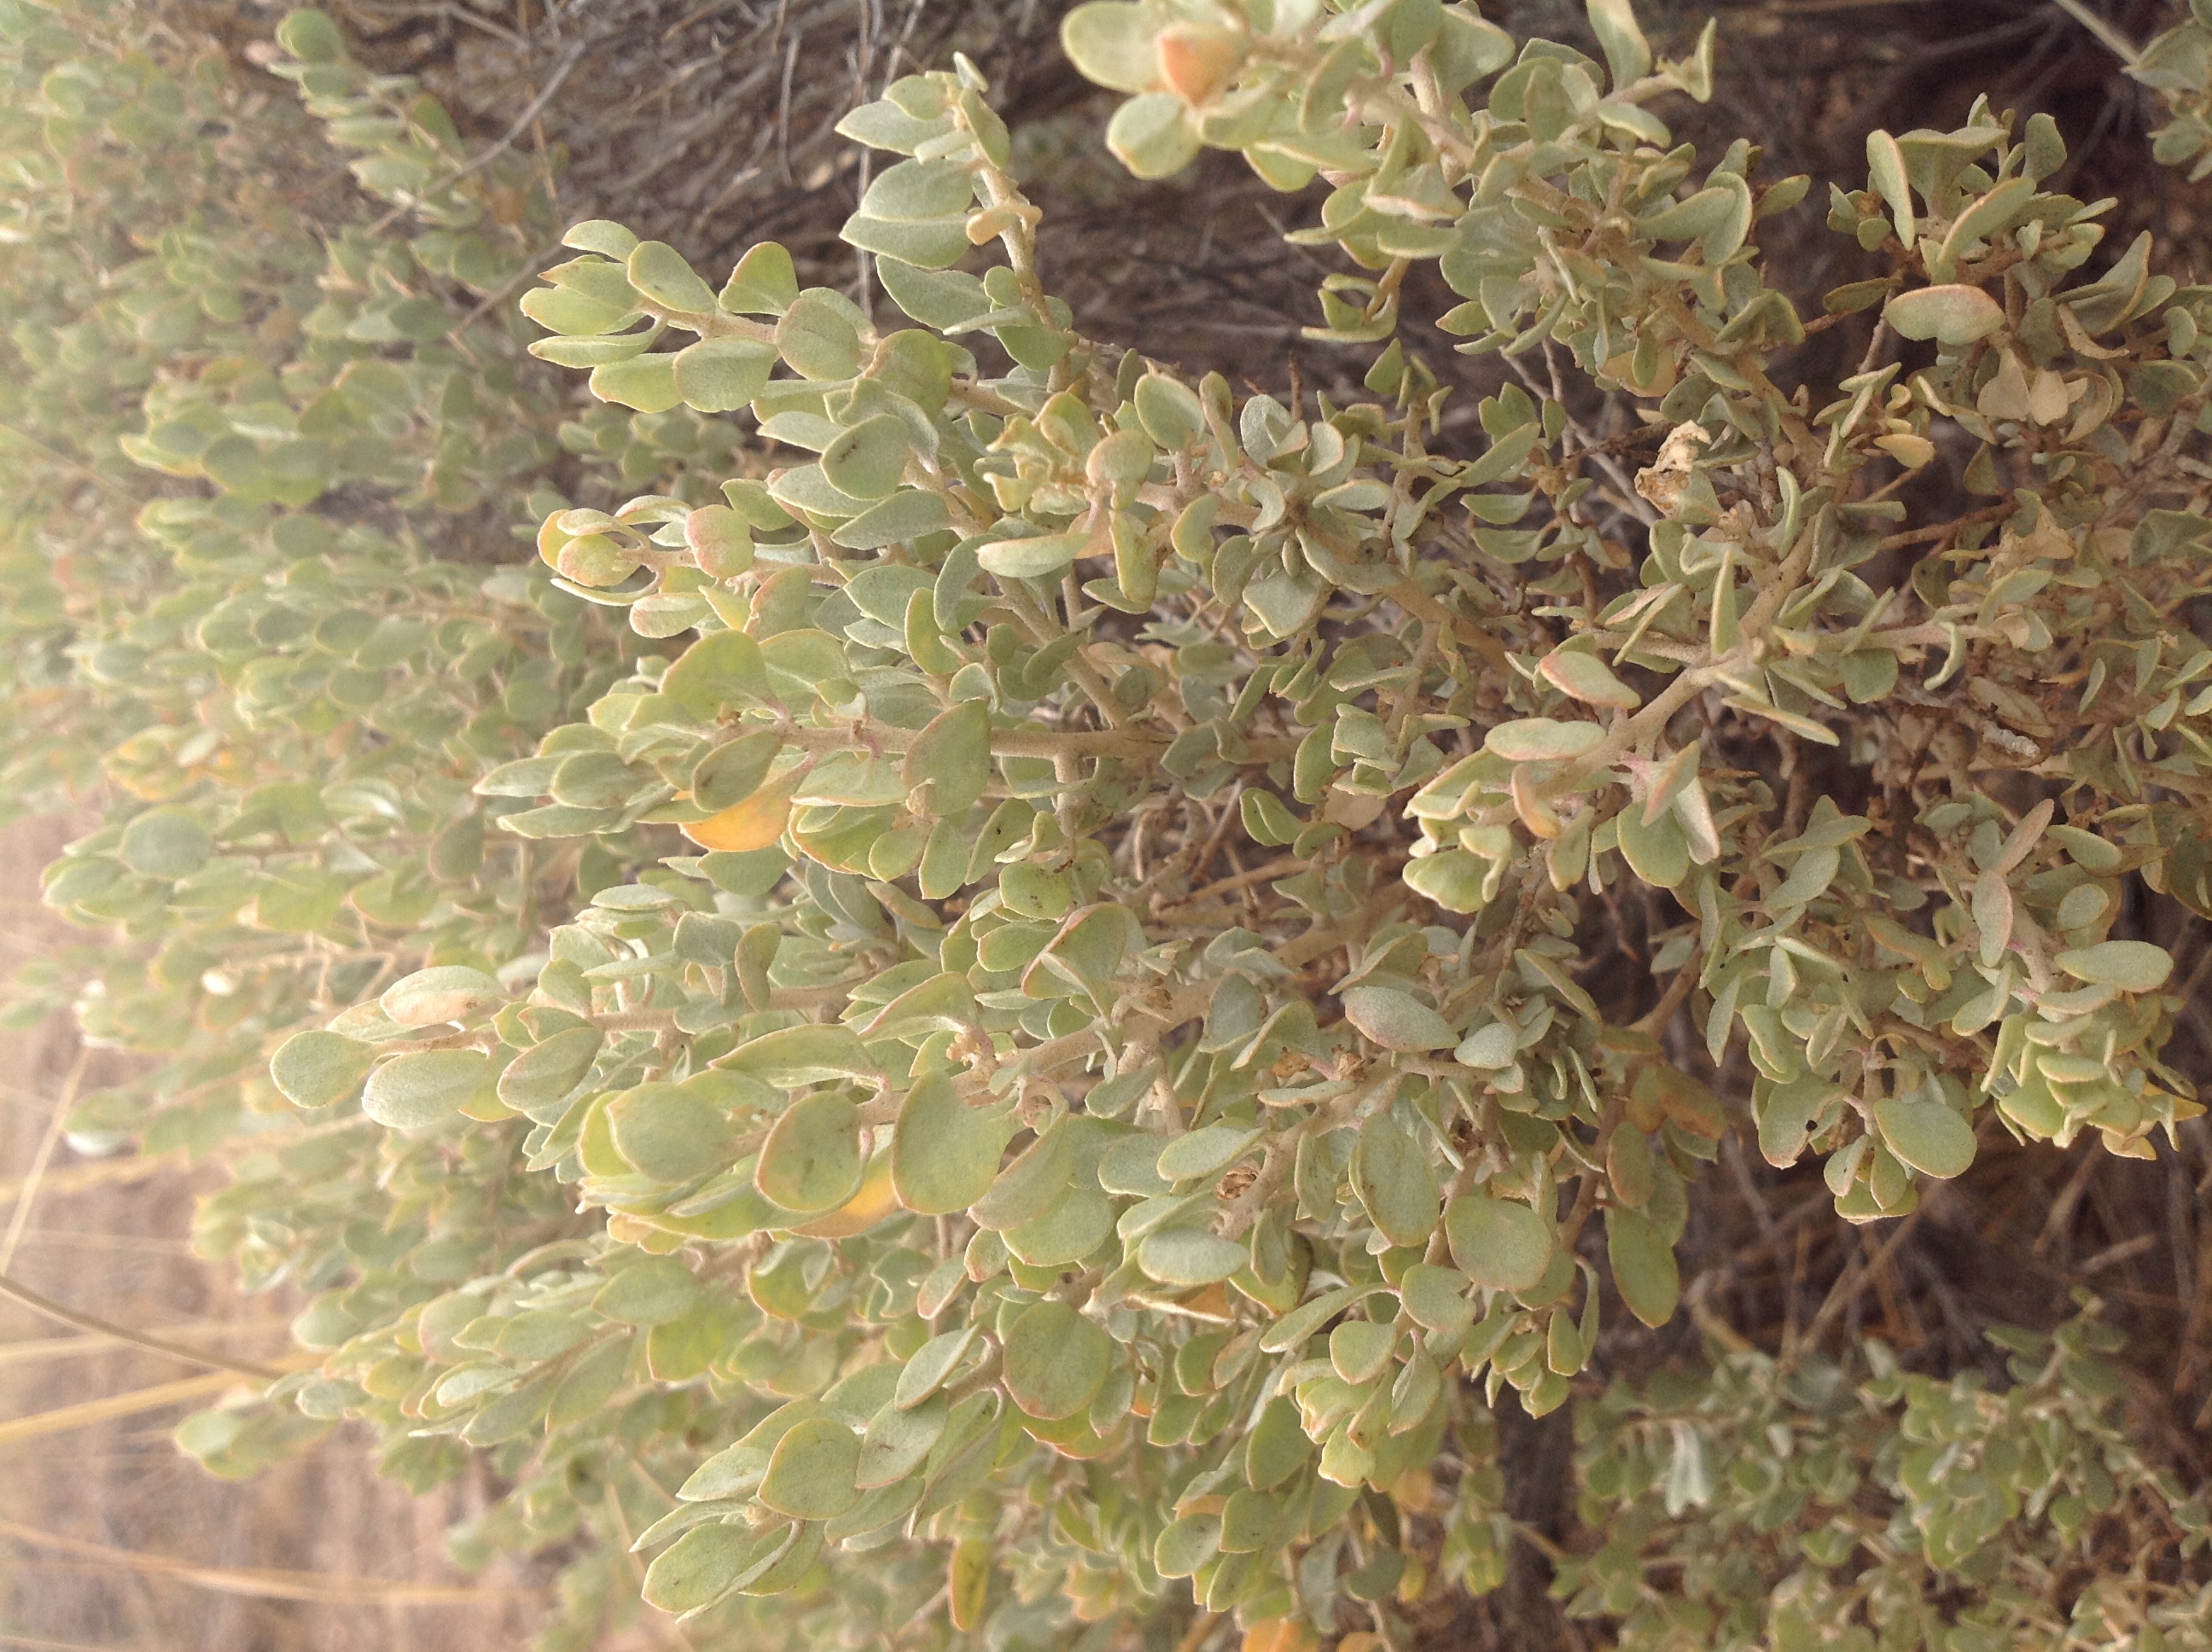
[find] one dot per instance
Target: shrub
(1016, 1020)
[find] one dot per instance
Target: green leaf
(1643, 1266)
(1394, 1181)
(945, 1154)
(1627, 54)
(1153, 135)
(601, 235)
(808, 1054)
(425, 1087)
(1301, 1322)
(818, 337)
(165, 843)
(764, 282)
(925, 244)
(1113, 44)
(572, 315)
(1436, 1298)
(2131, 966)
(723, 672)
(897, 1441)
(1396, 1020)
(1542, 739)
(1951, 315)
(1886, 173)
(1277, 1447)
(1027, 1188)
(321, 1069)
(1185, 1546)
(1658, 851)
(654, 1291)
(544, 1076)
(1056, 1361)
(1267, 821)
(311, 37)
(1587, 678)
(660, 271)
(1065, 1234)
(913, 192)
(1168, 409)
(671, 1133)
(1037, 557)
(811, 1162)
(734, 771)
(720, 375)
(1498, 1242)
(1454, 880)
(936, 298)
(644, 383)
(1689, 219)
(709, 1562)
(929, 1366)
(447, 992)
(1359, 1349)
(1205, 1151)
(866, 459)
(952, 758)
(1927, 1135)
(811, 1475)
(1191, 1256)
(906, 516)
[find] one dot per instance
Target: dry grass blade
(23, 1353)
(75, 1178)
(63, 1419)
(21, 1217)
(15, 1291)
(264, 1583)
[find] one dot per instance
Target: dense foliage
(978, 999)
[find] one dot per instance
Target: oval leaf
(1396, 1020)
(1498, 1242)
(811, 1162)
(425, 1087)
(2131, 966)
(944, 1153)
(1643, 1266)
(811, 1475)
(321, 1069)
(1056, 1361)
(1927, 1135)
(1950, 315)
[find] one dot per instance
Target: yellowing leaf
(755, 823)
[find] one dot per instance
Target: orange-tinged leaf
(1196, 61)
(753, 825)
(863, 1209)
(1280, 1635)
